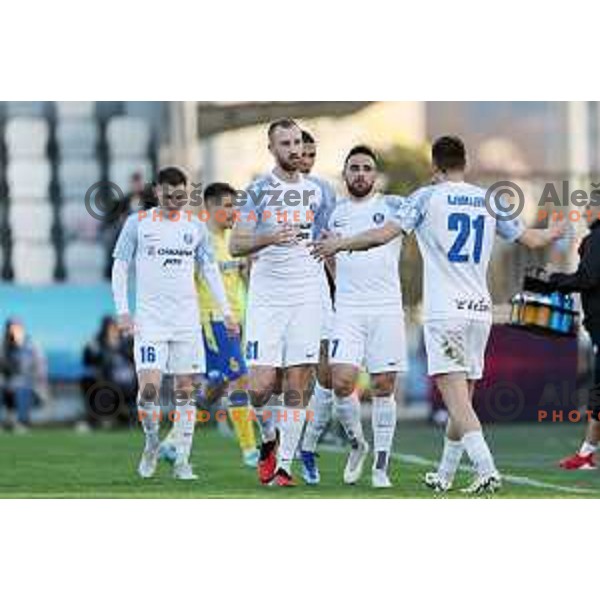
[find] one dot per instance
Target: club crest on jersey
(188, 238)
(151, 250)
(378, 218)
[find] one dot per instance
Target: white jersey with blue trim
(284, 275)
(367, 282)
(456, 233)
(328, 196)
(328, 201)
(166, 253)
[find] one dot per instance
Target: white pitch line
(413, 459)
(514, 479)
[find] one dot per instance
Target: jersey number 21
(464, 225)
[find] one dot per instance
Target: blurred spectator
(24, 373)
(108, 358)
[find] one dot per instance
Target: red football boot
(583, 462)
(283, 479)
(267, 463)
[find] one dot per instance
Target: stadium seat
(77, 138)
(28, 178)
(26, 109)
(76, 176)
(128, 137)
(31, 220)
(78, 224)
(120, 171)
(85, 262)
(75, 110)
(26, 137)
(33, 263)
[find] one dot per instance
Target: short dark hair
(362, 149)
(307, 137)
(448, 153)
(172, 176)
(283, 123)
(215, 192)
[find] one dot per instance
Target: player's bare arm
(329, 246)
(245, 241)
(540, 238)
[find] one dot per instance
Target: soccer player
(225, 363)
(368, 326)
(283, 319)
(322, 405)
(455, 232)
(166, 245)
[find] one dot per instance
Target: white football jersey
(456, 235)
(329, 201)
(284, 275)
(166, 254)
(368, 282)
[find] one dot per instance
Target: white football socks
(383, 419)
(348, 411)
(185, 423)
(149, 414)
(479, 453)
(321, 407)
(451, 457)
(291, 423)
(587, 448)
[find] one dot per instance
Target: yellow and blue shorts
(224, 358)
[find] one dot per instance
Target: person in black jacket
(586, 281)
(108, 359)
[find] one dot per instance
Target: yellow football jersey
(233, 279)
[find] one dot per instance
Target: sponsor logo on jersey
(174, 252)
(481, 305)
(188, 238)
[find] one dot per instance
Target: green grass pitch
(60, 463)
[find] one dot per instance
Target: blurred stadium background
(55, 258)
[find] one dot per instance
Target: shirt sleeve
(510, 230)
(409, 213)
(587, 276)
(205, 254)
(126, 246)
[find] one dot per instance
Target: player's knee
(259, 395)
(343, 387)
(383, 385)
(148, 393)
(324, 376)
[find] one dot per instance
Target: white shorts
(456, 346)
(327, 308)
(174, 358)
(283, 336)
(327, 318)
(377, 342)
